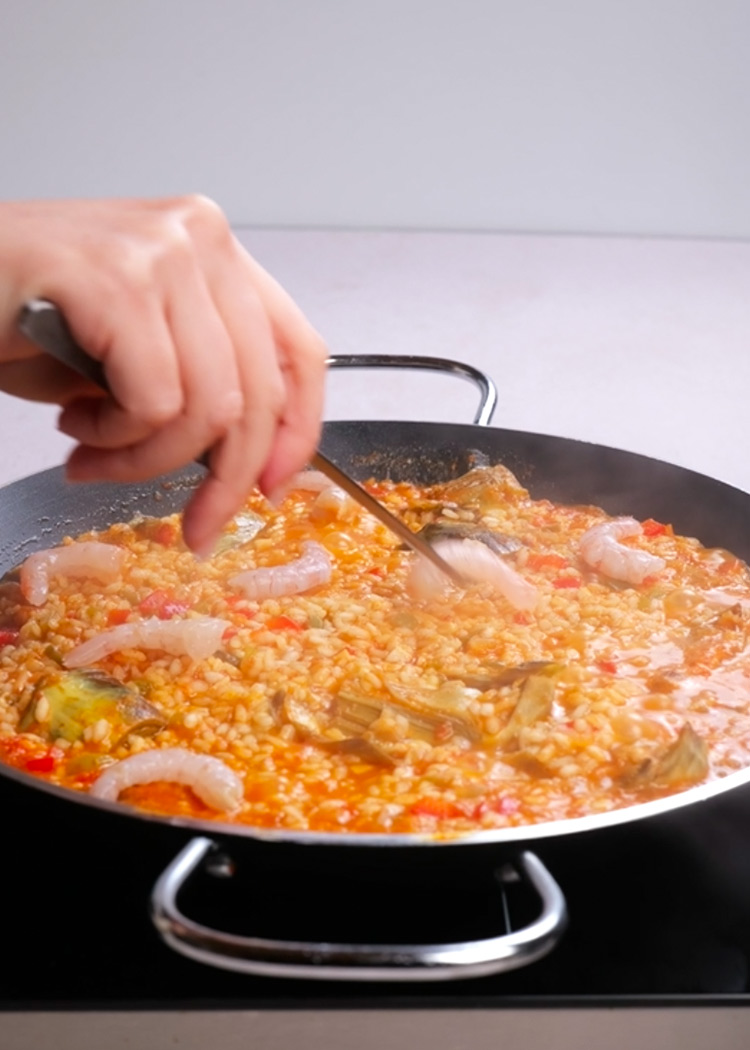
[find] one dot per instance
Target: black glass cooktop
(659, 911)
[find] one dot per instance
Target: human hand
(202, 349)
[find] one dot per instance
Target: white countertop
(636, 343)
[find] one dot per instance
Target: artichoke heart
(684, 762)
(534, 704)
(497, 675)
(75, 700)
(499, 542)
(432, 714)
(485, 487)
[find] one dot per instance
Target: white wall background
(607, 116)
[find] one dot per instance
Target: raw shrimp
(310, 570)
(332, 504)
(476, 561)
(601, 551)
(310, 481)
(211, 779)
(197, 637)
(101, 561)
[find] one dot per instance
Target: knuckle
(132, 270)
(203, 217)
(158, 408)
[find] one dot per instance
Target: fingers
(238, 460)
(200, 363)
(202, 349)
(298, 430)
(302, 356)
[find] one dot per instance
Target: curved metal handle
(42, 322)
(354, 962)
(487, 388)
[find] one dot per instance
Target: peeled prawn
(474, 560)
(332, 504)
(310, 481)
(601, 551)
(310, 570)
(198, 638)
(101, 561)
(211, 779)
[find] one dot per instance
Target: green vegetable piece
(78, 699)
(497, 675)
(534, 704)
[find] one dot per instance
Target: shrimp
(211, 779)
(332, 504)
(198, 637)
(601, 551)
(310, 570)
(310, 481)
(476, 561)
(101, 561)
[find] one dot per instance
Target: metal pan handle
(354, 962)
(42, 322)
(487, 389)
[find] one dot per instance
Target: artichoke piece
(276, 706)
(485, 487)
(433, 708)
(534, 703)
(81, 698)
(498, 676)
(353, 715)
(301, 717)
(499, 542)
(433, 714)
(243, 527)
(684, 762)
(364, 750)
(86, 762)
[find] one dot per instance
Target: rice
(353, 708)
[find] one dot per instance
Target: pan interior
(40, 511)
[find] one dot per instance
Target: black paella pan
(39, 511)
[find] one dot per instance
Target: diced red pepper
(41, 764)
(115, 617)
(166, 533)
(566, 581)
(283, 623)
(163, 605)
(608, 666)
(653, 528)
(230, 632)
(377, 489)
(440, 808)
(8, 636)
(550, 560)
